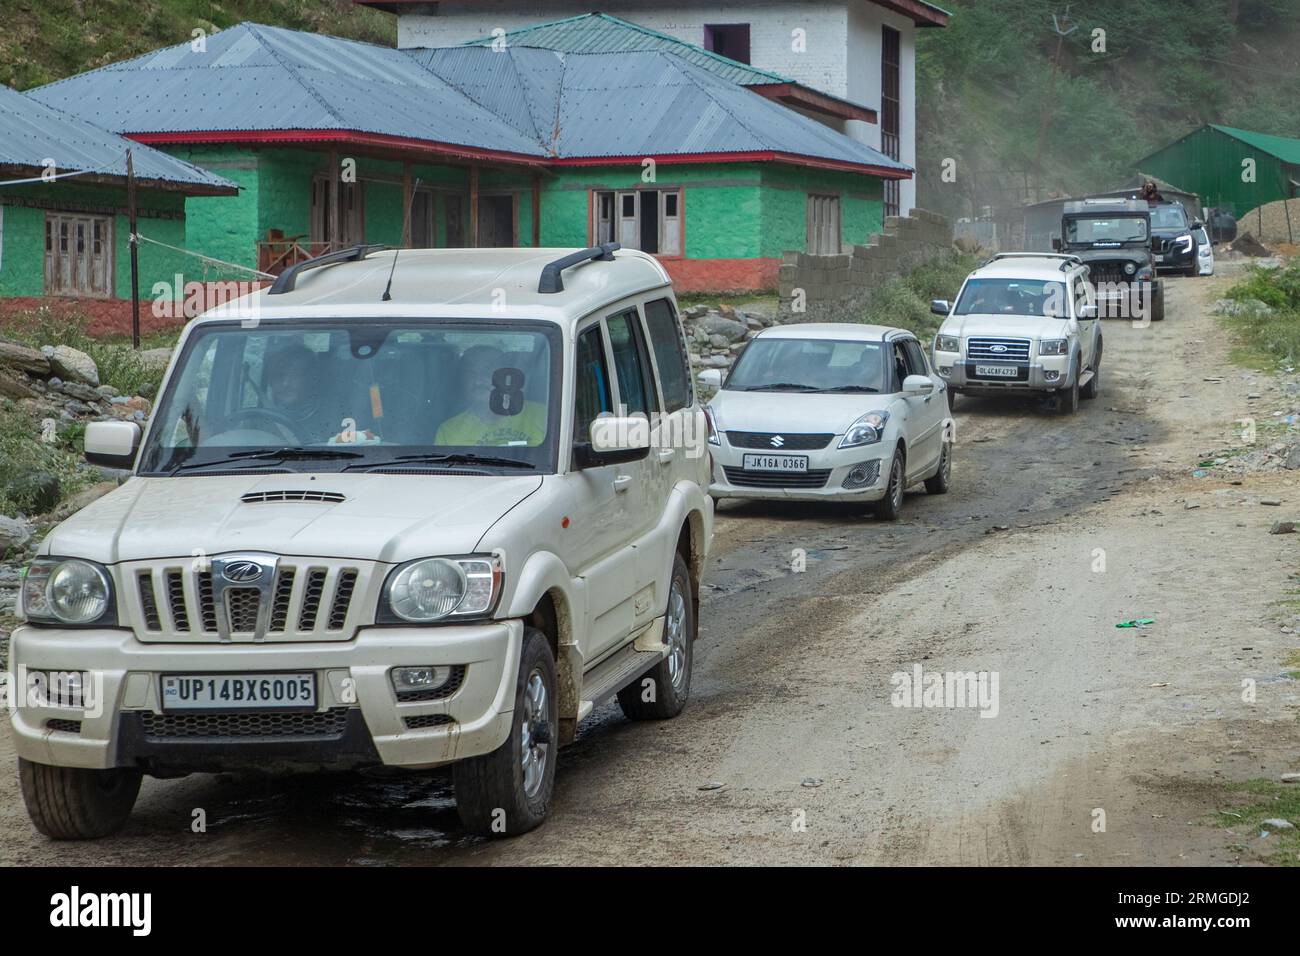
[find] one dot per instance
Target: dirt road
(791, 750)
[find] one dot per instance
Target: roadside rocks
(74, 365)
(1251, 307)
(715, 337)
(14, 534)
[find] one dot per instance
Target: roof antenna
(406, 231)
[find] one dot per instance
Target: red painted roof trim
(348, 137)
(792, 94)
(261, 137)
(884, 172)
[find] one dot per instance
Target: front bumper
(1043, 373)
(850, 474)
(358, 715)
(1175, 259)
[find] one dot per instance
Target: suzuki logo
(777, 441)
(997, 348)
(242, 572)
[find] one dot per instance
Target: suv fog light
(427, 677)
(1051, 376)
(863, 475)
(945, 370)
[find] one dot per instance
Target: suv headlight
(68, 591)
(1054, 347)
(947, 343)
(431, 589)
(866, 430)
(1129, 268)
(1185, 243)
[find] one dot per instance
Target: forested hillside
(1161, 68)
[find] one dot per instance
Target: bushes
(26, 455)
(905, 302)
(119, 365)
(1272, 333)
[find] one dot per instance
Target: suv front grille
(997, 349)
(778, 440)
(1100, 272)
(329, 723)
(305, 602)
(815, 478)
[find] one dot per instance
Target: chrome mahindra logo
(241, 572)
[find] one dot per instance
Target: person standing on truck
(1150, 193)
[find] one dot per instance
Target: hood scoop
(273, 497)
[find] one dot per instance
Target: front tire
(508, 792)
(1070, 397)
(952, 398)
(670, 679)
(939, 482)
(72, 803)
(890, 507)
(1093, 388)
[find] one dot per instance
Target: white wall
(842, 54)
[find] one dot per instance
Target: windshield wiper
(271, 454)
(457, 459)
(779, 386)
(849, 388)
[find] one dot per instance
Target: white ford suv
(1023, 322)
(409, 509)
(830, 412)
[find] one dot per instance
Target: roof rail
(551, 280)
(1067, 259)
(288, 279)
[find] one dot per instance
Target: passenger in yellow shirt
(496, 413)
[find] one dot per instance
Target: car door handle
(666, 455)
(622, 483)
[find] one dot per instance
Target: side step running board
(610, 676)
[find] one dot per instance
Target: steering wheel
(278, 419)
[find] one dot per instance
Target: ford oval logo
(997, 348)
(241, 572)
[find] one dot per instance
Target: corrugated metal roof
(639, 104)
(1283, 147)
(602, 33)
(523, 100)
(32, 133)
(257, 78)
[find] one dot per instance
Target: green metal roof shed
(1232, 169)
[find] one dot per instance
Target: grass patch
(24, 453)
(904, 302)
(1266, 340)
(118, 364)
(1265, 800)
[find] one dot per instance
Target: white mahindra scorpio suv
(1024, 322)
(405, 508)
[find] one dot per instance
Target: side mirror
(1087, 312)
(710, 378)
(1056, 245)
(918, 385)
(1198, 224)
(940, 307)
(613, 441)
(112, 444)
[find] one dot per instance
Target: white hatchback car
(371, 522)
(830, 412)
(1204, 252)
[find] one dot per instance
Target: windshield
(1032, 297)
(342, 395)
(1168, 217)
(1110, 229)
(808, 365)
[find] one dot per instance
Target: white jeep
(1023, 322)
(405, 508)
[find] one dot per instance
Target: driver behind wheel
(293, 393)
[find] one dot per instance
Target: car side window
(900, 365)
(670, 354)
(592, 393)
(635, 384)
(916, 358)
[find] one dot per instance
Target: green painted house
(1231, 169)
(64, 228)
(334, 142)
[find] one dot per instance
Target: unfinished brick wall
(832, 284)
